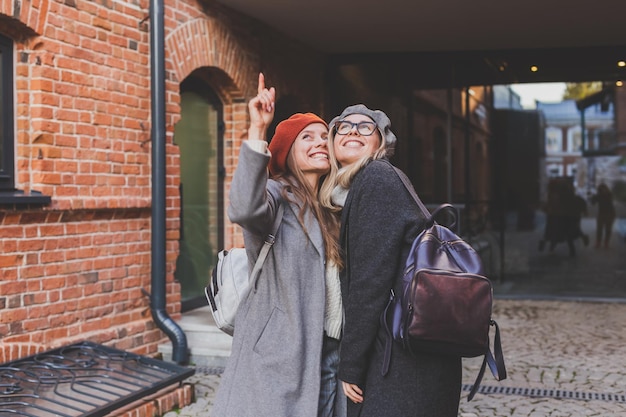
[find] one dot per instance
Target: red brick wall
(158, 404)
(75, 269)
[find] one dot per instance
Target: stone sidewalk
(564, 359)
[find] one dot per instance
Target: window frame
(9, 194)
(554, 140)
(575, 137)
(7, 135)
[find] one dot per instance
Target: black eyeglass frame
(358, 127)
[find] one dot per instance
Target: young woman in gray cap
(378, 225)
(285, 345)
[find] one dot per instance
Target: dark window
(8, 193)
(7, 168)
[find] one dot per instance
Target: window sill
(19, 198)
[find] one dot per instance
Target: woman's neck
(312, 180)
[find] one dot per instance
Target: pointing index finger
(261, 83)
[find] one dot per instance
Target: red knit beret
(285, 136)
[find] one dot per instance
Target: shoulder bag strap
(427, 215)
(410, 189)
(495, 361)
(267, 245)
(390, 304)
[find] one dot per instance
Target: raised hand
(261, 110)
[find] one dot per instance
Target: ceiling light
(621, 63)
(619, 83)
(534, 68)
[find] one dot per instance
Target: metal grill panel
(81, 380)
(551, 393)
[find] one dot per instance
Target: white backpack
(230, 281)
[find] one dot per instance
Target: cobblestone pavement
(564, 359)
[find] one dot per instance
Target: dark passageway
(422, 62)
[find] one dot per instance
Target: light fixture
(619, 83)
(534, 68)
(621, 63)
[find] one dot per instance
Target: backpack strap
(389, 339)
(267, 245)
(430, 217)
(385, 316)
(410, 189)
(390, 304)
(495, 362)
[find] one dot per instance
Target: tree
(576, 91)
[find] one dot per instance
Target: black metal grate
(551, 393)
(210, 370)
(81, 380)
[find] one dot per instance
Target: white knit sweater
(333, 317)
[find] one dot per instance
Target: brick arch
(208, 43)
(25, 18)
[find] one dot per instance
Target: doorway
(547, 180)
(199, 135)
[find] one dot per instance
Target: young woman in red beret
(285, 346)
(379, 221)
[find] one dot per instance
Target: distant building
(571, 134)
(505, 98)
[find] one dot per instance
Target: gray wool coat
(275, 364)
(378, 225)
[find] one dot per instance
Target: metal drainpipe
(180, 354)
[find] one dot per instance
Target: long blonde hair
(306, 198)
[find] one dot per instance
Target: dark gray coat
(274, 367)
(379, 222)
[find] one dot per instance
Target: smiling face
(310, 152)
(352, 146)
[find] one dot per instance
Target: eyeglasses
(343, 127)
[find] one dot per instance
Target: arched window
(199, 136)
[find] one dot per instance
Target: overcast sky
(548, 92)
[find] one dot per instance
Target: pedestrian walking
(606, 215)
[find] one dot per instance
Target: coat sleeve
(383, 219)
(253, 198)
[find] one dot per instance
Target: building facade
(570, 134)
(75, 202)
(76, 174)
